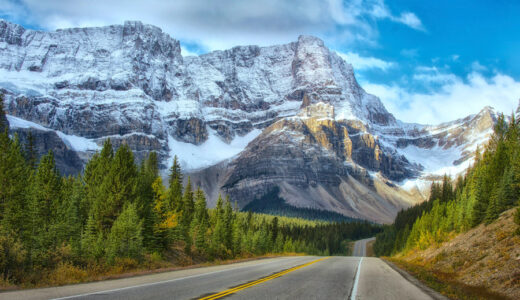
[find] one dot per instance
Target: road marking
(356, 281)
(250, 284)
(166, 281)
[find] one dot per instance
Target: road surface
(360, 247)
(297, 277)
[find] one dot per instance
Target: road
(360, 247)
(296, 277)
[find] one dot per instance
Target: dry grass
(66, 273)
(485, 259)
(370, 249)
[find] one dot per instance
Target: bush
(66, 273)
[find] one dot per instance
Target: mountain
(243, 121)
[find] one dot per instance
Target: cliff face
(309, 122)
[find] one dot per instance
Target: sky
(428, 61)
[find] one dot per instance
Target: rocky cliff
(241, 120)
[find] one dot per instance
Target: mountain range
(244, 122)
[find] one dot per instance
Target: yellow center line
(264, 279)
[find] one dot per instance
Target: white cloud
(363, 62)
(453, 100)
(411, 20)
(477, 67)
(220, 24)
(433, 75)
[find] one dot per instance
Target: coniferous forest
(489, 187)
(118, 213)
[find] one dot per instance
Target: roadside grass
(370, 249)
(444, 282)
(66, 273)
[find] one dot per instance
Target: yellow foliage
(67, 273)
(170, 221)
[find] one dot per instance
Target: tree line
(118, 210)
(489, 187)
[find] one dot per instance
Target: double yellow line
(250, 284)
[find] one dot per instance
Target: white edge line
(356, 281)
(158, 282)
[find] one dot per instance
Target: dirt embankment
(486, 257)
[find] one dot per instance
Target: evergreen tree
(219, 229)
(187, 215)
(125, 239)
(148, 172)
(94, 176)
(44, 203)
(228, 225)
(14, 180)
(119, 186)
(92, 241)
(201, 221)
(175, 186)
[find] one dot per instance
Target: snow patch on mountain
(211, 152)
(73, 142)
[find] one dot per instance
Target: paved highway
(300, 277)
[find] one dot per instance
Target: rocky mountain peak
(11, 33)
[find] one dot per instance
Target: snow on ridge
(209, 153)
(73, 142)
(78, 143)
(15, 122)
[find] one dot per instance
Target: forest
(489, 187)
(119, 212)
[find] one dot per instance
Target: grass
(445, 283)
(67, 273)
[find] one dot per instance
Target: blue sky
(429, 61)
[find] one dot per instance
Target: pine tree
(44, 203)
(148, 172)
(175, 186)
(201, 221)
(92, 241)
(219, 223)
(228, 224)
(14, 182)
(95, 174)
(119, 186)
(125, 239)
(187, 215)
(69, 223)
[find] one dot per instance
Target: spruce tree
(201, 221)
(187, 215)
(94, 176)
(125, 239)
(44, 203)
(175, 186)
(148, 172)
(228, 224)
(218, 236)
(14, 181)
(119, 187)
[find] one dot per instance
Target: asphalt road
(300, 277)
(360, 247)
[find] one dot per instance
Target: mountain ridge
(131, 83)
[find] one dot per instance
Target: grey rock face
(67, 160)
(325, 140)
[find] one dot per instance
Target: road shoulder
(431, 292)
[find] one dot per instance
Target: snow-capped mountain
(242, 120)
